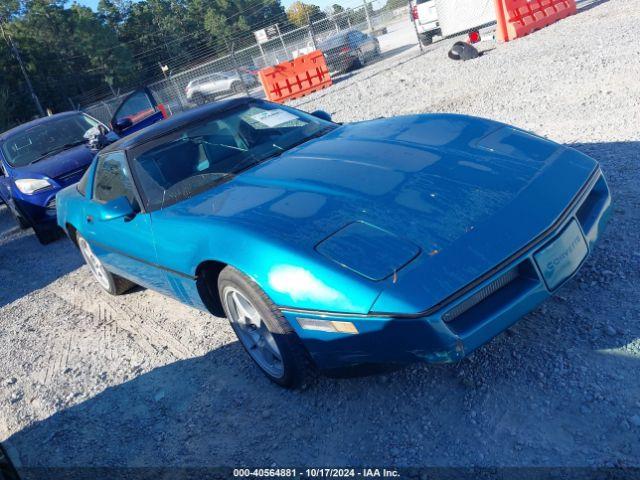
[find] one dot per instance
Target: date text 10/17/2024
(315, 473)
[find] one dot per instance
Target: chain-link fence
(349, 37)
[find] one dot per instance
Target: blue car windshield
(200, 156)
(46, 139)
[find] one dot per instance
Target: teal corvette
(415, 238)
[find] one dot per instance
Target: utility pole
(415, 28)
(311, 34)
(16, 53)
(286, 52)
(232, 53)
(366, 12)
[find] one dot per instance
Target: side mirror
(322, 115)
(122, 123)
(117, 208)
(98, 137)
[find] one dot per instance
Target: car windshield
(201, 156)
(333, 42)
(45, 139)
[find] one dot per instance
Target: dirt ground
(141, 380)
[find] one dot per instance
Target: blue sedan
(396, 240)
(37, 160)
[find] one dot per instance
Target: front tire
(263, 331)
(110, 283)
(22, 222)
(237, 88)
(199, 99)
(360, 60)
(47, 235)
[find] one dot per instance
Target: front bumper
(39, 208)
(459, 327)
(341, 62)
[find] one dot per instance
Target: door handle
(89, 219)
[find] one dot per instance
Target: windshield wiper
(58, 149)
(201, 139)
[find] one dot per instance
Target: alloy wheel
(253, 332)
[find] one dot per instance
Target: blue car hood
(57, 165)
(467, 192)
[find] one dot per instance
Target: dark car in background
(347, 50)
(37, 160)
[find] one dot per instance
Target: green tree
(300, 13)
(71, 52)
(393, 4)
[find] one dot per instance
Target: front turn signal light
(327, 325)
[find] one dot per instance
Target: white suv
(204, 89)
(425, 17)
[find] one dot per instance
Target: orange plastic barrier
(517, 18)
(295, 78)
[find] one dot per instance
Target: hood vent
(368, 250)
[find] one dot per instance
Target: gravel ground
(140, 380)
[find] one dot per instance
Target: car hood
(466, 192)
(58, 165)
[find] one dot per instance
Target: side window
(136, 107)
(112, 179)
(82, 184)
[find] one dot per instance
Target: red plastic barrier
(295, 78)
(517, 18)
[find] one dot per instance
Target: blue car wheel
(262, 330)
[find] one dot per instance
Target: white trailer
(457, 16)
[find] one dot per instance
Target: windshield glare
(30, 145)
(202, 155)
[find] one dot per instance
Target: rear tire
(263, 331)
(110, 282)
(426, 39)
